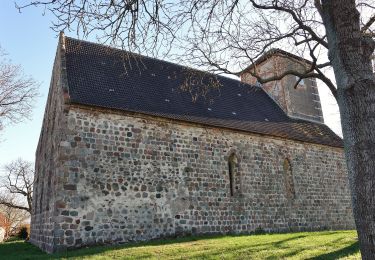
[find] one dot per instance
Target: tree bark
(350, 54)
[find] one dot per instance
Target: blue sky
(29, 41)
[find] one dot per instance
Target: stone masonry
(128, 178)
(107, 176)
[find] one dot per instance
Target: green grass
(306, 245)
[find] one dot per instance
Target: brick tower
(301, 102)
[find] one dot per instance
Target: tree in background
(226, 36)
(17, 92)
(11, 219)
(16, 187)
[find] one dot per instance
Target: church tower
(302, 102)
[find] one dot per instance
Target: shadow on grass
(343, 252)
(282, 242)
(100, 249)
(206, 253)
(239, 249)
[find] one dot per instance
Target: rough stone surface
(44, 219)
(104, 176)
(168, 179)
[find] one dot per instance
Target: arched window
(233, 174)
(289, 182)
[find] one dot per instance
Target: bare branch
(12, 205)
(368, 24)
(19, 181)
(218, 35)
(318, 6)
(17, 92)
(302, 25)
(11, 218)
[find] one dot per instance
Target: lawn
(306, 245)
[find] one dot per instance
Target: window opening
(232, 162)
(289, 182)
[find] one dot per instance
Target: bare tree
(227, 36)
(11, 219)
(17, 92)
(17, 186)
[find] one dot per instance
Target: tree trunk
(350, 55)
(357, 108)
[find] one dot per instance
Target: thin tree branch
(368, 24)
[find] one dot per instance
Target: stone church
(134, 148)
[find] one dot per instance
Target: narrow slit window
(289, 182)
(232, 163)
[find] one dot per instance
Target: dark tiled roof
(111, 78)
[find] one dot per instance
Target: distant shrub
(22, 233)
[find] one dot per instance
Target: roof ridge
(253, 87)
(161, 60)
(197, 70)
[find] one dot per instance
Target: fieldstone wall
(44, 226)
(125, 177)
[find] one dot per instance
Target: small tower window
(289, 182)
(233, 174)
